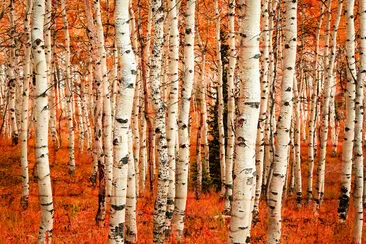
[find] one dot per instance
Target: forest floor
(75, 202)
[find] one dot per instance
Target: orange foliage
(76, 204)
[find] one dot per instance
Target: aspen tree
(57, 80)
(172, 106)
(296, 175)
(325, 109)
(247, 121)
(284, 123)
(147, 134)
(124, 108)
(69, 92)
(25, 105)
(136, 104)
(220, 98)
(184, 109)
(165, 61)
(313, 109)
(272, 79)
(304, 105)
(328, 21)
(291, 167)
(85, 115)
(230, 109)
(263, 106)
(143, 132)
(98, 152)
(202, 99)
(349, 125)
(107, 112)
(199, 177)
(358, 150)
(48, 50)
(198, 182)
(131, 227)
(12, 77)
(160, 204)
(136, 131)
(41, 123)
(333, 120)
(98, 161)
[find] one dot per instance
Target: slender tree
(284, 123)
(263, 106)
(183, 121)
(349, 125)
(160, 204)
(131, 227)
(247, 121)
(230, 109)
(313, 109)
(358, 149)
(48, 49)
(24, 125)
(107, 113)
(220, 98)
(329, 76)
(69, 91)
(124, 107)
(172, 106)
(41, 123)
(12, 77)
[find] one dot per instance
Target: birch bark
(349, 125)
(24, 119)
(184, 110)
(284, 123)
(41, 123)
(124, 107)
(246, 125)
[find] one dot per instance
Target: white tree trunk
(85, 115)
(297, 146)
(333, 120)
(329, 76)
(220, 99)
(272, 80)
(69, 92)
(160, 204)
(25, 105)
(98, 158)
(358, 147)
(259, 156)
(131, 227)
(136, 131)
(41, 123)
(107, 112)
(12, 77)
(349, 125)
(230, 109)
(284, 124)
(124, 108)
(313, 110)
(172, 106)
(246, 125)
(48, 50)
(183, 121)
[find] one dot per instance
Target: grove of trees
(255, 100)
